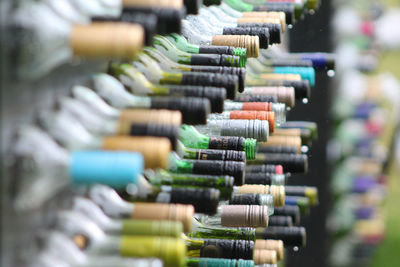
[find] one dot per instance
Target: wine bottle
(138, 84)
(210, 154)
(281, 140)
(306, 73)
(230, 249)
(60, 250)
(161, 177)
(169, 17)
(254, 199)
(256, 129)
(156, 75)
(171, 66)
(291, 236)
(294, 163)
(320, 61)
(311, 126)
(97, 125)
(302, 202)
(180, 42)
(138, 116)
(80, 167)
(277, 191)
(71, 41)
(247, 115)
(238, 216)
(192, 108)
(220, 248)
(72, 134)
(218, 232)
(264, 178)
(126, 226)
(266, 168)
(223, 16)
(278, 108)
(284, 95)
(93, 240)
(278, 149)
(210, 25)
(251, 43)
(292, 211)
(271, 244)
(277, 220)
(168, 49)
(209, 167)
(204, 200)
(309, 192)
(261, 6)
(282, 62)
(114, 206)
(190, 137)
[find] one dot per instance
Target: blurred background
(356, 158)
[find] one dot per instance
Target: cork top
(155, 150)
(284, 94)
(278, 192)
(288, 132)
(107, 40)
(153, 3)
(271, 244)
(281, 140)
(270, 14)
(251, 43)
(129, 116)
(244, 216)
(263, 256)
(160, 211)
(280, 76)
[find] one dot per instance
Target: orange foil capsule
(258, 106)
(254, 115)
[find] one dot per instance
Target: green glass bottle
(180, 42)
(154, 73)
(211, 167)
(210, 154)
(171, 51)
(190, 137)
(201, 230)
(161, 177)
(220, 248)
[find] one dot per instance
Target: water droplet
(304, 149)
(331, 73)
(295, 248)
(305, 100)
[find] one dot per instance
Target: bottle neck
(181, 43)
(206, 231)
(178, 165)
(172, 52)
(239, 5)
(190, 137)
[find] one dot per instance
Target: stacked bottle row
(366, 116)
(179, 156)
